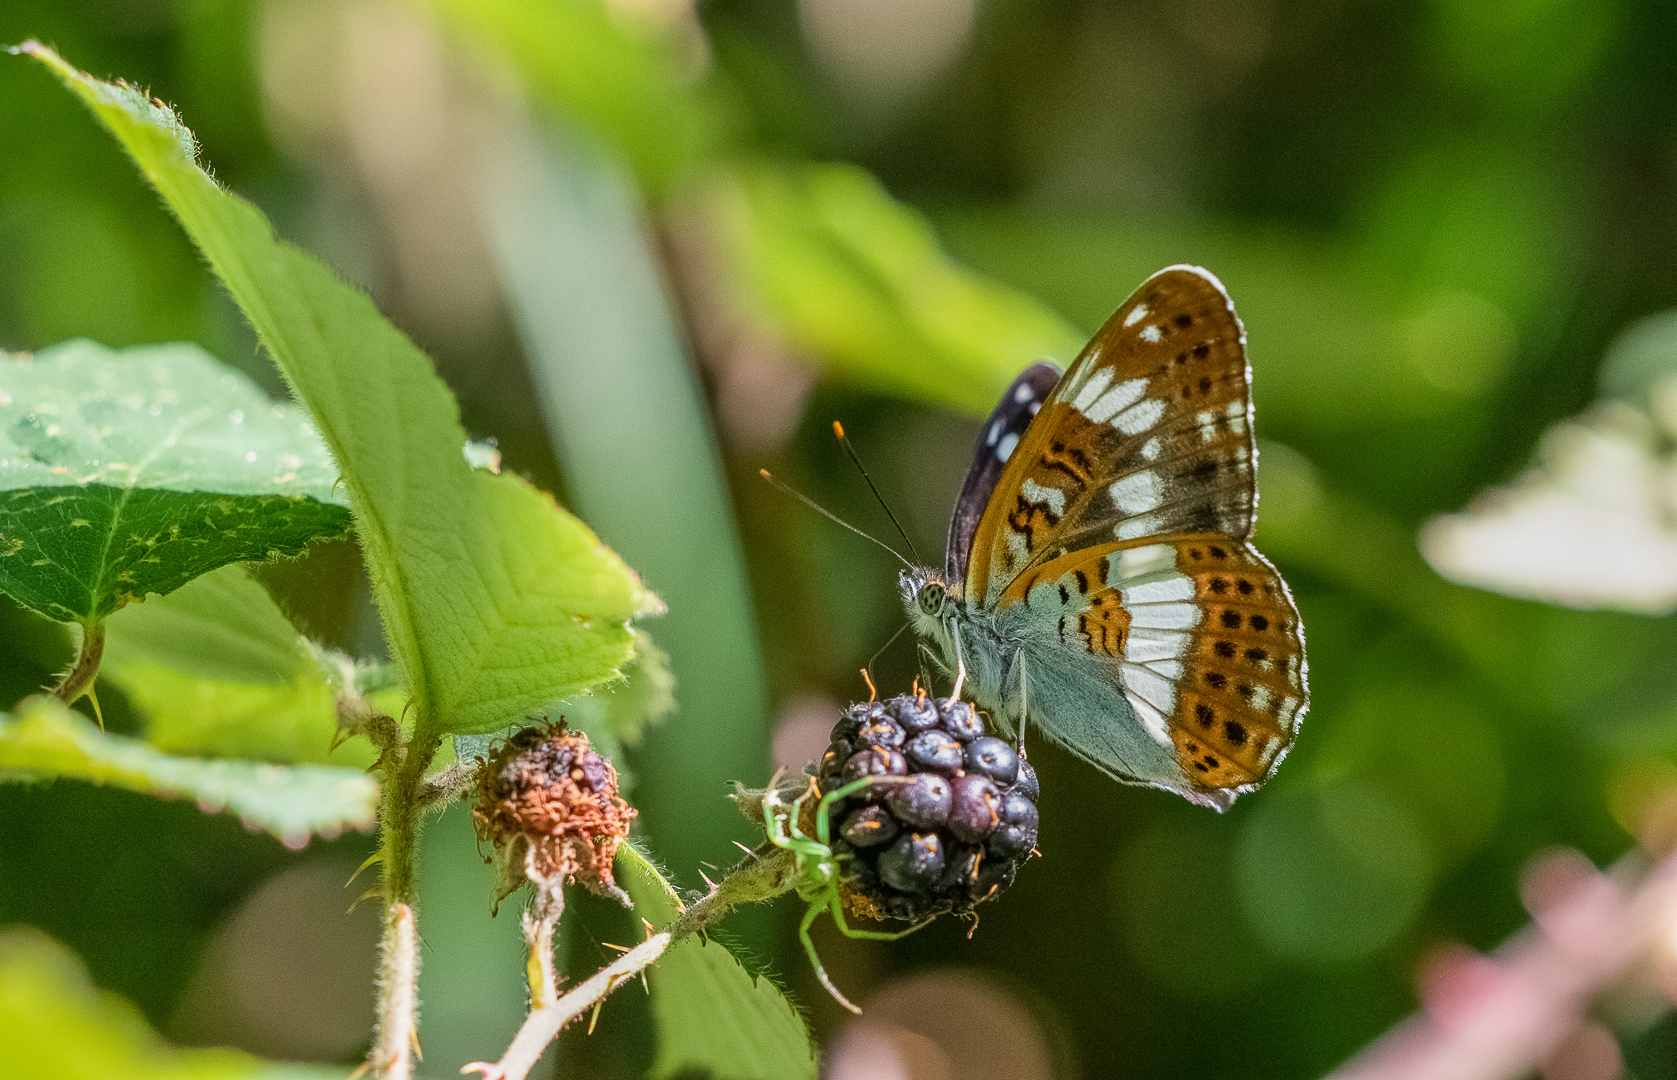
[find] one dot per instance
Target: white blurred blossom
(1594, 523)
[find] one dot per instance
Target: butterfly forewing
(1148, 434)
(997, 440)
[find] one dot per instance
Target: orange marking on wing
(1091, 560)
(1027, 518)
(1106, 625)
(1209, 766)
(1242, 688)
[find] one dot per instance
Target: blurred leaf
(55, 1022)
(579, 58)
(44, 741)
(1306, 305)
(857, 280)
(134, 472)
(217, 670)
(629, 420)
(495, 601)
(1180, 908)
(713, 1018)
(1330, 874)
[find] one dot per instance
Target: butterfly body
(1100, 572)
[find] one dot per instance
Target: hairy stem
(396, 1036)
(761, 877)
(544, 1023)
(79, 678)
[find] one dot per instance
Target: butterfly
(1100, 581)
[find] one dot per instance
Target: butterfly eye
(930, 598)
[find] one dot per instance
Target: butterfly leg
(1024, 702)
(960, 662)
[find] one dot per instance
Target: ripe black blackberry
(949, 823)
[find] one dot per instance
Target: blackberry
(950, 820)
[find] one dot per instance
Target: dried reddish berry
(549, 805)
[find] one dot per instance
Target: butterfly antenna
(830, 516)
(868, 670)
(844, 441)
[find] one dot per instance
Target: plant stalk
(761, 877)
(396, 1035)
(79, 679)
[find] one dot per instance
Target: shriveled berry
(548, 804)
(1027, 784)
(992, 757)
(934, 751)
(869, 827)
(914, 713)
(960, 719)
(974, 810)
(922, 802)
(881, 731)
(1016, 833)
(913, 862)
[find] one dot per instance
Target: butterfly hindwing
(1148, 434)
(1200, 637)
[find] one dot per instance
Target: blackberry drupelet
(948, 824)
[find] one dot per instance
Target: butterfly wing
(1176, 663)
(1148, 434)
(996, 442)
(1115, 551)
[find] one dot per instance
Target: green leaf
(611, 715)
(55, 1022)
(494, 600)
(133, 472)
(579, 57)
(215, 668)
(223, 626)
(857, 280)
(713, 1018)
(45, 740)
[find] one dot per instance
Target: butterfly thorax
(964, 635)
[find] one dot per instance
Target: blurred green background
(622, 232)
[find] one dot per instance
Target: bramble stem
(543, 1024)
(396, 1034)
(79, 678)
(761, 877)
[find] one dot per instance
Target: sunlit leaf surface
(216, 669)
(495, 601)
(127, 473)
